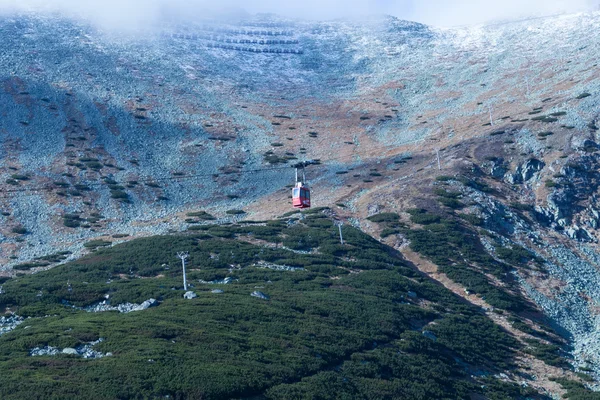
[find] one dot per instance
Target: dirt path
(537, 374)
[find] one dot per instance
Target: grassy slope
(355, 336)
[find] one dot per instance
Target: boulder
(575, 232)
(148, 303)
(544, 215)
(512, 178)
(44, 351)
(498, 168)
(260, 295)
(594, 218)
(530, 168)
(190, 295)
(217, 291)
(586, 145)
(70, 350)
(525, 171)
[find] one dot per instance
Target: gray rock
(217, 291)
(122, 308)
(530, 168)
(260, 295)
(85, 351)
(190, 295)
(44, 351)
(225, 281)
(8, 324)
(578, 233)
(512, 178)
(498, 168)
(544, 215)
(147, 304)
(560, 203)
(525, 172)
(593, 220)
(587, 145)
(276, 267)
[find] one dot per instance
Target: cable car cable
(49, 188)
(7, 194)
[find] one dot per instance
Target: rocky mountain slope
(106, 137)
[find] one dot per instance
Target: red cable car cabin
(301, 196)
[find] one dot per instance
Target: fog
(133, 13)
(465, 12)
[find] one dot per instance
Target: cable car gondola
(301, 192)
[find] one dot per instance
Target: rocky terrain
(106, 137)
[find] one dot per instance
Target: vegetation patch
(522, 207)
(576, 390)
(94, 244)
(516, 255)
(19, 230)
(203, 215)
(235, 212)
(119, 195)
(459, 253)
(385, 217)
(449, 199)
(549, 353)
(19, 177)
(422, 217)
(30, 265)
(273, 158)
(72, 220)
(544, 118)
(472, 219)
(357, 336)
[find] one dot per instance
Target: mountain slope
(354, 316)
(482, 140)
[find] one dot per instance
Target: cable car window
(296, 193)
(308, 194)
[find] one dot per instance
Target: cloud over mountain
(131, 13)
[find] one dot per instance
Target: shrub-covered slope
(341, 321)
